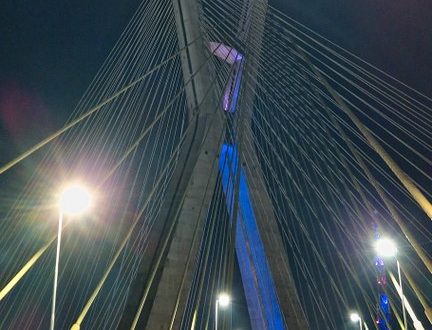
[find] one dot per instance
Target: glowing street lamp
(74, 200)
(355, 317)
(223, 300)
(386, 248)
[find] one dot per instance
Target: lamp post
(386, 248)
(355, 317)
(74, 200)
(223, 300)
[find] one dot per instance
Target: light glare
(75, 200)
(385, 248)
(355, 317)
(224, 299)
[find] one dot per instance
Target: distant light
(224, 299)
(355, 317)
(385, 248)
(75, 199)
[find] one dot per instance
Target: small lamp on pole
(74, 200)
(355, 317)
(223, 300)
(386, 248)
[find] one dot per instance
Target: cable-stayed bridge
(230, 149)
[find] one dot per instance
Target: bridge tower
(159, 294)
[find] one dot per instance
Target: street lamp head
(75, 199)
(385, 247)
(355, 317)
(224, 299)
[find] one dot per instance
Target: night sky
(395, 36)
(49, 53)
(51, 50)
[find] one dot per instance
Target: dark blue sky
(395, 35)
(50, 50)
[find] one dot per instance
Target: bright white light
(355, 317)
(385, 247)
(75, 200)
(224, 299)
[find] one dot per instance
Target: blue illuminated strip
(384, 315)
(259, 288)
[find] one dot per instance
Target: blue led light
(257, 280)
